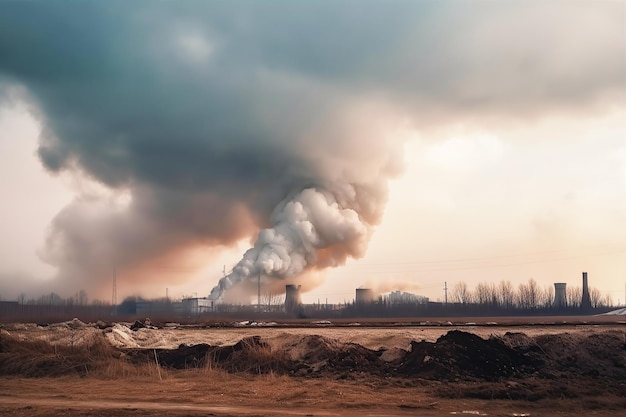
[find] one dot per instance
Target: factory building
(399, 297)
(196, 306)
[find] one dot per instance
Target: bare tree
(574, 296)
(273, 302)
(546, 297)
(81, 298)
(533, 292)
(484, 294)
(506, 294)
(599, 300)
(528, 294)
(460, 293)
(607, 301)
(50, 299)
(21, 298)
(523, 297)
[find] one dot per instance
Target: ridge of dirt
(464, 355)
(459, 364)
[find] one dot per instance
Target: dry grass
(36, 358)
(254, 357)
(95, 358)
(253, 374)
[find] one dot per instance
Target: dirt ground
(194, 395)
(387, 369)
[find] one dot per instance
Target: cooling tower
(586, 300)
(364, 296)
(560, 298)
(292, 298)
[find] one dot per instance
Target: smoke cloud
(308, 230)
(208, 123)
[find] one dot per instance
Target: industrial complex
(366, 302)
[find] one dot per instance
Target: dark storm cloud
(212, 113)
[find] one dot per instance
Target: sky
(397, 145)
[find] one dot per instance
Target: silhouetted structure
(364, 296)
(560, 298)
(293, 302)
(586, 300)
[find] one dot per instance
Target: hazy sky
(477, 140)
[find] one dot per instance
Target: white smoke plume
(303, 227)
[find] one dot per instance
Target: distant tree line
(80, 298)
(526, 296)
(52, 307)
(487, 299)
(484, 299)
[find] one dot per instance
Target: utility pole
(445, 289)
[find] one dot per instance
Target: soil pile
(461, 355)
(600, 355)
(315, 355)
(248, 355)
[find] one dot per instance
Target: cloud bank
(219, 120)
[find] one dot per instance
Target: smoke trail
(309, 230)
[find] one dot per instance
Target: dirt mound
(513, 366)
(594, 364)
(556, 366)
(461, 355)
(314, 355)
(248, 355)
(304, 356)
(184, 357)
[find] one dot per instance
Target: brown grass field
(519, 366)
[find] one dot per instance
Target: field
(495, 366)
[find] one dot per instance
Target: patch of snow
(618, 312)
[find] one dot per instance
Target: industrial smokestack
(560, 298)
(364, 296)
(292, 298)
(586, 300)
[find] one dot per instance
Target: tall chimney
(560, 297)
(586, 300)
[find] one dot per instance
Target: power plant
(367, 301)
(560, 294)
(364, 296)
(293, 300)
